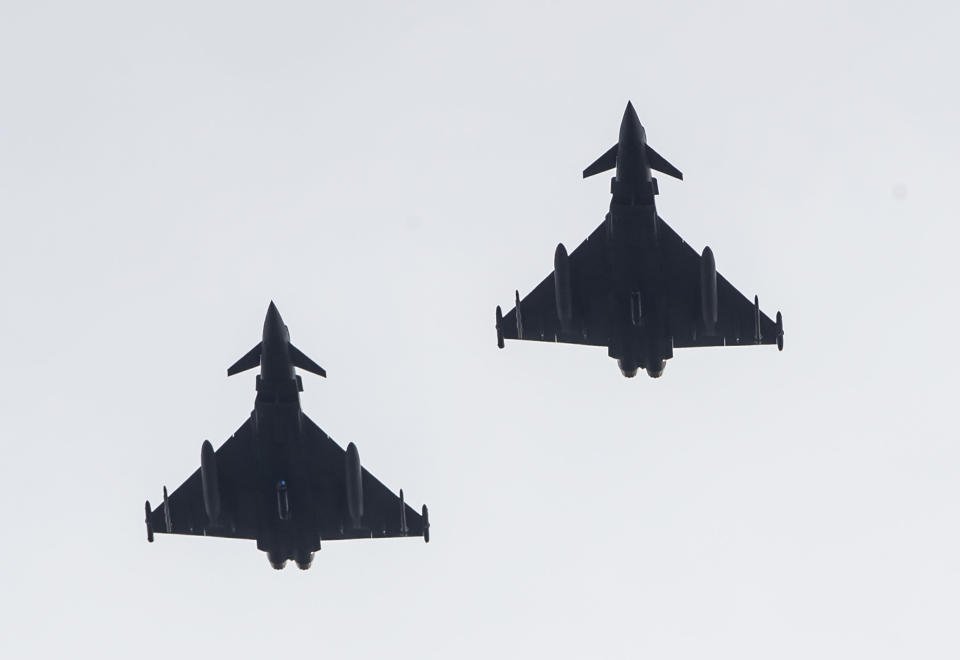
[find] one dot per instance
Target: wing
(183, 511)
(590, 286)
(384, 514)
(736, 315)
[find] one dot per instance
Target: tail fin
(305, 363)
(248, 361)
(609, 160)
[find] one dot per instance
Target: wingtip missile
(146, 506)
(779, 332)
(499, 327)
(426, 523)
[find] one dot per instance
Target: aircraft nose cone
(273, 314)
(273, 324)
(631, 130)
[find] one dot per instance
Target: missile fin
(146, 506)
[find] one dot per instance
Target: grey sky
(388, 175)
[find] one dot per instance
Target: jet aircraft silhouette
(281, 480)
(634, 285)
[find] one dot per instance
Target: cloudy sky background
(388, 175)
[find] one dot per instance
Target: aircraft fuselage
(287, 525)
(640, 338)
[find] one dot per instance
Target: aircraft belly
(638, 307)
(287, 515)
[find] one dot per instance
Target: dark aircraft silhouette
(280, 479)
(634, 285)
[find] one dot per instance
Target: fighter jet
(280, 480)
(634, 286)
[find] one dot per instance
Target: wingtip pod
(779, 332)
(426, 523)
(146, 506)
(499, 327)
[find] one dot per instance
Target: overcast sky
(388, 175)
